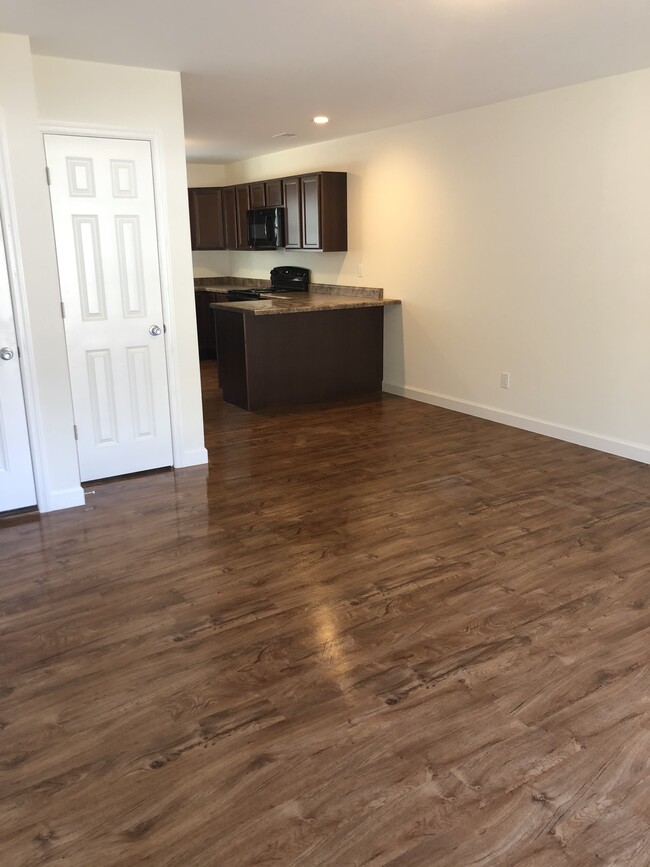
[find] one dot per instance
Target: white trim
(193, 458)
(164, 258)
(621, 448)
(65, 499)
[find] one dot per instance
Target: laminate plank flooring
(371, 632)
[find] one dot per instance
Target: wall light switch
(359, 270)
(505, 380)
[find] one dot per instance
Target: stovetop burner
(285, 278)
(244, 294)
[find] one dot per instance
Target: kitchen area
(284, 340)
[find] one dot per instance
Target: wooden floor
(373, 633)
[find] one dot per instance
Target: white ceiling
(254, 68)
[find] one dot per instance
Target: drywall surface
(82, 95)
(206, 175)
(516, 236)
(33, 269)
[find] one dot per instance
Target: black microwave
(265, 228)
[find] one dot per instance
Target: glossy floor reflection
(374, 632)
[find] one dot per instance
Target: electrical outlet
(505, 380)
(359, 270)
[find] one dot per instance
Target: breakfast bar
(303, 348)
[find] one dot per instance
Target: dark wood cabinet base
(205, 325)
(277, 360)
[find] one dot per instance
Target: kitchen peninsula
(300, 348)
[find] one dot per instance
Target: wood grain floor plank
(368, 633)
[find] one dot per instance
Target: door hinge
(76, 432)
(62, 310)
(164, 328)
(47, 176)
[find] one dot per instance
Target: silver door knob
(6, 354)
(155, 330)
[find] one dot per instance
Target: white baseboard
(66, 499)
(621, 448)
(192, 458)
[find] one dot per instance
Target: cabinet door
(310, 193)
(257, 194)
(274, 194)
(193, 216)
(205, 324)
(230, 218)
(333, 193)
(292, 217)
(243, 204)
(206, 218)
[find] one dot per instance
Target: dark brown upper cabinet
(311, 212)
(257, 193)
(328, 194)
(274, 198)
(230, 217)
(315, 212)
(206, 218)
(292, 214)
(243, 200)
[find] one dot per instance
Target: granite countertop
(217, 289)
(299, 302)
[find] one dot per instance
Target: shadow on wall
(394, 370)
(211, 263)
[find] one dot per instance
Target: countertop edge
(337, 302)
(222, 285)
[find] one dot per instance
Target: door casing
(117, 365)
(164, 259)
(23, 334)
(35, 425)
(20, 490)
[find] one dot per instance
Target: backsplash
(356, 291)
(248, 282)
(322, 288)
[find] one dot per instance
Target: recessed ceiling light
(320, 118)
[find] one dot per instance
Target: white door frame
(164, 257)
(23, 332)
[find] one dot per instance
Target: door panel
(310, 187)
(293, 215)
(105, 229)
(16, 476)
(242, 199)
(230, 218)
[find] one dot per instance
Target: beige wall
(117, 98)
(36, 91)
(516, 236)
(206, 175)
(32, 261)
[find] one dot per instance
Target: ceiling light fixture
(320, 118)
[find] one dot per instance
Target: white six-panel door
(103, 210)
(16, 475)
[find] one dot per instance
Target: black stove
(285, 278)
(288, 278)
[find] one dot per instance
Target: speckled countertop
(300, 302)
(217, 290)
